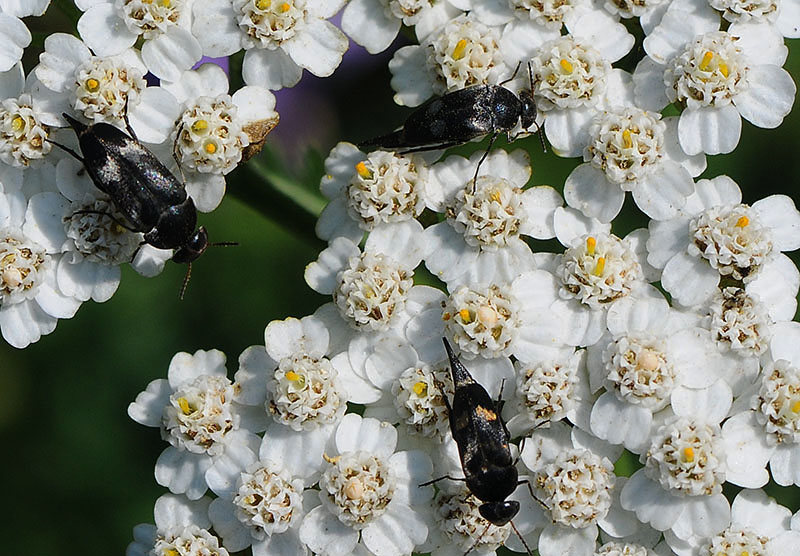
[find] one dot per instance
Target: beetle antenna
(224, 244)
(485, 154)
(186, 280)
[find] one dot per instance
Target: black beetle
(152, 200)
(483, 446)
(461, 116)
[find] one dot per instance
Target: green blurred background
(77, 472)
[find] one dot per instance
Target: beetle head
(499, 513)
(193, 248)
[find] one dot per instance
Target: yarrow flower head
(365, 486)
(292, 34)
(23, 136)
(196, 410)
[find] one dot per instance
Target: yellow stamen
(723, 68)
(285, 7)
(329, 459)
(210, 147)
(688, 454)
(172, 552)
(166, 3)
(363, 171)
(627, 138)
(92, 84)
(17, 123)
(263, 4)
(465, 316)
(742, 222)
(460, 50)
(183, 403)
(591, 243)
(293, 376)
(199, 126)
(796, 407)
(495, 196)
(420, 388)
(601, 265)
(566, 65)
(706, 61)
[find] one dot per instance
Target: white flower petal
(651, 504)
(299, 451)
(177, 511)
(662, 194)
(209, 80)
(153, 118)
(182, 472)
(271, 69)
(103, 31)
(24, 323)
(557, 540)
(321, 274)
(702, 516)
(325, 534)
(367, 23)
(568, 130)
(62, 54)
(44, 220)
(170, 54)
(780, 214)
(588, 190)
(395, 532)
(785, 465)
(648, 85)
(746, 451)
(605, 33)
(235, 536)
(570, 225)
(206, 190)
(319, 48)
(84, 280)
(705, 405)
(363, 433)
(768, 98)
(12, 81)
(621, 423)
(14, 37)
(676, 30)
(776, 285)
(148, 407)
(690, 280)
(540, 204)
(401, 241)
(214, 25)
(410, 76)
(712, 130)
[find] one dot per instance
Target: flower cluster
(674, 342)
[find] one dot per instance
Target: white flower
(759, 525)
(260, 503)
(280, 38)
(374, 24)
(169, 48)
(481, 239)
(768, 430)
(718, 77)
(718, 237)
(23, 133)
(461, 53)
(369, 493)
(547, 391)
(649, 354)
(371, 289)
(680, 487)
(210, 130)
(98, 87)
(782, 14)
(198, 415)
(576, 489)
(369, 191)
(630, 149)
(181, 527)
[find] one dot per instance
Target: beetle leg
(441, 478)
(485, 154)
(111, 216)
(175, 154)
(434, 147)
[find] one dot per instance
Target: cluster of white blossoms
(675, 343)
